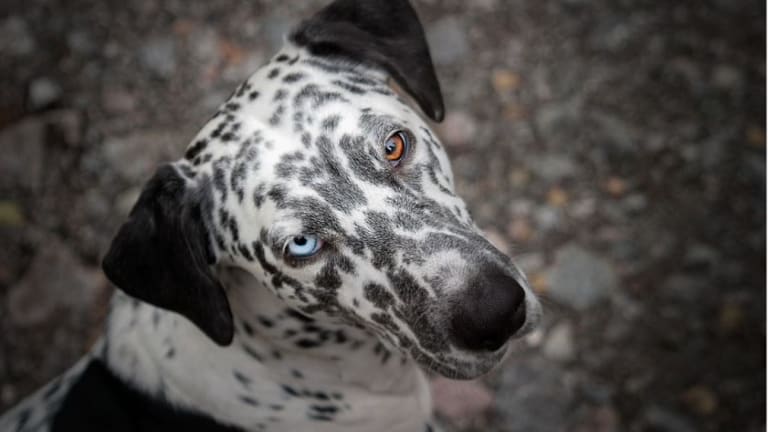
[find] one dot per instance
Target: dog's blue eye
(303, 246)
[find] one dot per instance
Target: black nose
(489, 311)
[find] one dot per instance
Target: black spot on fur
(195, 149)
(293, 77)
(273, 73)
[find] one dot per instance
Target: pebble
(552, 167)
(117, 100)
(10, 214)
(447, 40)
(664, 420)
(158, 55)
(457, 129)
(15, 37)
(559, 344)
(701, 400)
(25, 168)
(55, 280)
(459, 401)
(43, 92)
(533, 396)
(547, 218)
(580, 279)
(135, 157)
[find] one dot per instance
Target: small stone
(731, 317)
(701, 400)
(755, 136)
(519, 229)
(117, 100)
(547, 218)
(615, 186)
(10, 214)
(158, 55)
(459, 401)
(43, 92)
(136, 156)
(447, 40)
(458, 129)
(65, 125)
(26, 142)
(727, 77)
(539, 282)
(559, 344)
(580, 279)
(55, 280)
(519, 177)
(583, 208)
(557, 197)
(80, 42)
(635, 202)
(505, 81)
(664, 420)
(15, 37)
(552, 167)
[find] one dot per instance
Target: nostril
(489, 312)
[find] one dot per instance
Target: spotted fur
(218, 320)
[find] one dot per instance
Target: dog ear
(386, 33)
(162, 255)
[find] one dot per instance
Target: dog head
(322, 182)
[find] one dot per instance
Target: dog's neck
(280, 368)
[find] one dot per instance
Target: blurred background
(616, 148)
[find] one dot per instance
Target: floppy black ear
(383, 32)
(162, 256)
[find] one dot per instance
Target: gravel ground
(615, 147)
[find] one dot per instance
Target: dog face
(319, 180)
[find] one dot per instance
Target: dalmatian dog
(305, 261)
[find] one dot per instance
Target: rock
(158, 55)
(552, 167)
(664, 420)
(599, 419)
(533, 396)
(65, 126)
(457, 129)
(55, 280)
(459, 401)
(727, 77)
(43, 92)
(559, 344)
(10, 214)
(80, 42)
(634, 203)
(136, 156)
(447, 40)
(519, 229)
(557, 197)
(25, 141)
(547, 218)
(15, 37)
(117, 100)
(505, 81)
(701, 400)
(615, 186)
(580, 279)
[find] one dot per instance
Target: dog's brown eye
(396, 148)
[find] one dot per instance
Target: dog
(304, 262)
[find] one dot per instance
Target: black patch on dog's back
(99, 401)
